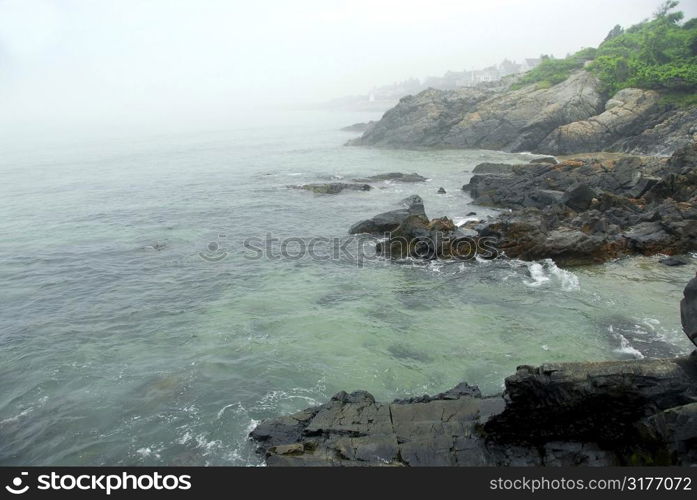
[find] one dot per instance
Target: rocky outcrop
(588, 210)
(576, 212)
(333, 187)
(358, 127)
(570, 117)
(626, 114)
(393, 176)
(688, 310)
(486, 117)
(673, 129)
(609, 413)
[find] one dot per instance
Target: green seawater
(135, 328)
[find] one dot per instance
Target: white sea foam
(458, 221)
(538, 275)
(547, 271)
(627, 348)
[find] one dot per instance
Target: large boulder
(688, 310)
(386, 222)
(578, 197)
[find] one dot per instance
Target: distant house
(531, 63)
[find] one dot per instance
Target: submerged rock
(333, 187)
(608, 413)
(441, 190)
(673, 262)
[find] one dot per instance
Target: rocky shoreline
(578, 211)
(641, 412)
(574, 116)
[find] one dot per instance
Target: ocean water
(136, 328)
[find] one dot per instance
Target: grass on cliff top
(659, 54)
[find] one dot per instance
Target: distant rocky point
(358, 127)
(573, 116)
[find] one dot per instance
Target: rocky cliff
(570, 117)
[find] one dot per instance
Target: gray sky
(66, 62)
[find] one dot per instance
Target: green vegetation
(659, 54)
(552, 71)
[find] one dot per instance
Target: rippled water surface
(136, 329)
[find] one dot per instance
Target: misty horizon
(82, 66)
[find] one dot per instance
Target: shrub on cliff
(552, 71)
(658, 54)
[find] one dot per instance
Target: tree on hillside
(614, 32)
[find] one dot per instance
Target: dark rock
(591, 402)
(412, 238)
(381, 223)
(389, 221)
(441, 190)
(393, 176)
(671, 436)
(578, 197)
(688, 310)
(333, 187)
(648, 238)
(412, 201)
(673, 262)
(566, 414)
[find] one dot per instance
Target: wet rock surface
(609, 413)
